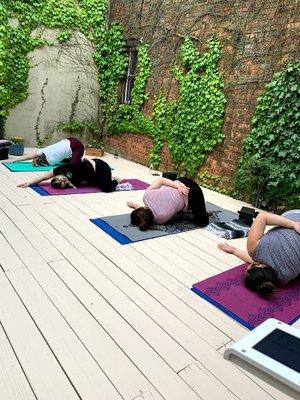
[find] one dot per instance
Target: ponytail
(261, 280)
(266, 288)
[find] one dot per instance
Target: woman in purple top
(164, 198)
(274, 257)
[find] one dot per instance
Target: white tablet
(273, 347)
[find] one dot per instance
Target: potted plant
(94, 148)
(17, 146)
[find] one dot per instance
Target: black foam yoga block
(170, 175)
(247, 214)
(4, 153)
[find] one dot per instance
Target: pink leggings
(77, 150)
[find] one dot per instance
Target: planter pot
(94, 151)
(16, 149)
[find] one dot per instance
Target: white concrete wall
(62, 86)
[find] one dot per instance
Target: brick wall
(137, 148)
(257, 36)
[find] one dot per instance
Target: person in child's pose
(66, 150)
(164, 198)
(274, 257)
(93, 171)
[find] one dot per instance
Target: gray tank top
(280, 249)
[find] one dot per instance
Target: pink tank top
(164, 202)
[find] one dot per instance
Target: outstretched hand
(24, 185)
(226, 247)
(132, 205)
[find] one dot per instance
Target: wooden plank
(42, 244)
(95, 339)
(231, 377)
(145, 358)
(140, 297)
(44, 373)
(13, 382)
(221, 319)
(168, 276)
(214, 363)
(82, 370)
(168, 349)
(116, 365)
(194, 255)
(131, 342)
(202, 382)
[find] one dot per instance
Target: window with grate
(127, 82)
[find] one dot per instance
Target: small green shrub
(268, 173)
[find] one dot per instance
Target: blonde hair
(61, 182)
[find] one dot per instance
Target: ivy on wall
(87, 16)
(128, 117)
(197, 123)
(268, 173)
(192, 123)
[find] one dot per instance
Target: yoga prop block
(4, 147)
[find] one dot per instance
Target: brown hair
(262, 280)
(143, 218)
(40, 160)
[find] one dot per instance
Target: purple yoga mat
(228, 293)
(136, 183)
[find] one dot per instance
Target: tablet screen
(282, 347)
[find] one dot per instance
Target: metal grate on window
(128, 80)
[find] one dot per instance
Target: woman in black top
(93, 171)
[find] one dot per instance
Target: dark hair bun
(266, 288)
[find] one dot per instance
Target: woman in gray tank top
(274, 257)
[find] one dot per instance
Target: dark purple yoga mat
(227, 292)
(136, 183)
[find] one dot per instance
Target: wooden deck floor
(82, 317)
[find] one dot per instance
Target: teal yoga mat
(23, 166)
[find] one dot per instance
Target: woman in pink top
(164, 198)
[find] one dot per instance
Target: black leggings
(196, 202)
(103, 176)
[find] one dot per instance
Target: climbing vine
(269, 170)
(196, 126)
(128, 117)
(192, 123)
(87, 16)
